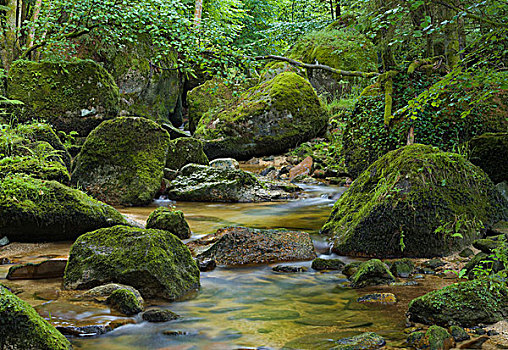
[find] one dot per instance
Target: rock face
(169, 220)
(122, 161)
(466, 304)
(72, 96)
(241, 245)
(185, 150)
(407, 203)
(344, 49)
(371, 273)
(154, 262)
(209, 184)
(33, 210)
(490, 152)
(267, 119)
(23, 329)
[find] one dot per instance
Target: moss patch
(169, 220)
(185, 150)
(409, 203)
(125, 301)
(371, 273)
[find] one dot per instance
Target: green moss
(466, 304)
(490, 152)
(72, 96)
(327, 264)
(185, 150)
(34, 210)
(402, 268)
(408, 203)
(125, 301)
(267, 119)
(22, 328)
(459, 333)
(122, 161)
(371, 273)
(437, 337)
(363, 341)
(169, 220)
(45, 170)
(154, 262)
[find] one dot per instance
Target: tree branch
(473, 16)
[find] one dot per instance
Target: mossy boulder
(267, 119)
(241, 245)
(154, 262)
(371, 273)
(481, 264)
(200, 183)
(490, 152)
(159, 315)
(38, 168)
(407, 203)
(435, 338)
(344, 49)
(327, 264)
(34, 210)
(169, 220)
(402, 268)
(72, 96)
(185, 150)
(102, 293)
(21, 328)
(122, 161)
(125, 301)
(466, 304)
(211, 95)
(364, 341)
(459, 333)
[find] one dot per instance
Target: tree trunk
(198, 12)
(338, 12)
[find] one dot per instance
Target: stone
(364, 341)
(183, 151)
(53, 268)
(225, 163)
(351, 268)
(122, 161)
(241, 245)
(159, 315)
(406, 202)
(371, 273)
(34, 210)
(208, 184)
(125, 301)
(303, 168)
(23, 329)
(490, 151)
(486, 245)
(459, 334)
(72, 96)
(267, 119)
(38, 168)
(378, 298)
(4, 241)
(438, 338)
(289, 269)
(169, 220)
(466, 304)
(327, 264)
(482, 262)
(466, 253)
(174, 133)
(434, 263)
(207, 265)
(101, 293)
(154, 262)
(402, 268)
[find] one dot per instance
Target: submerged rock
(154, 262)
(378, 298)
(183, 151)
(289, 268)
(169, 220)
(407, 203)
(159, 315)
(33, 210)
(466, 304)
(72, 96)
(125, 301)
(327, 264)
(53, 268)
(122, 161)
(371, 273)
(364, 341)
(210, 184)
(241, 245)
(490, 152)
(22, 328)
(267, 119)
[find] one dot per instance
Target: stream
(238, 308)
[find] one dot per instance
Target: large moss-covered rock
(267, 119)
(34, 210)
(169, 220)
(185, 150)
(344, 49)
(154, 262)
(408, 203)
(122, 161)
(38, 168)
(466, 304)
(490, 152)
(21, 328)
(440, 123)
(72, 96)
(200, 183)
(242, 245)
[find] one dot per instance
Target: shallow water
(238, 307)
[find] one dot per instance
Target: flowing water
(239, 308)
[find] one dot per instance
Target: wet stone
(289, 268)
(159, 315)
(207, 265)
(378, 298)
(434, 263)
(53, 268)
(364, 341)
(459, 333)
(327, 264)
